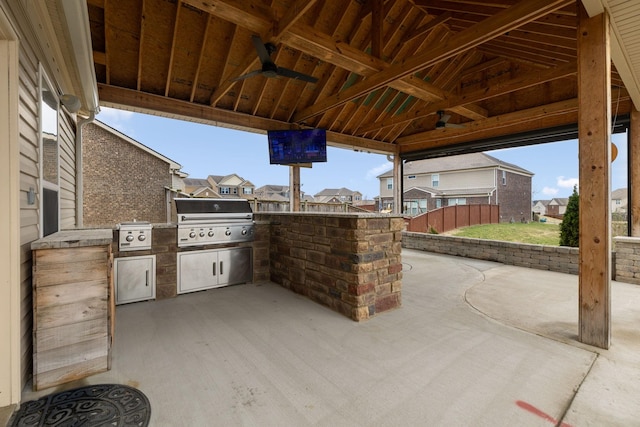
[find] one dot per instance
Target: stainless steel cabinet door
(199, 270)
(234, 266)
(135, 278)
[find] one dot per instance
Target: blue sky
(204, 150)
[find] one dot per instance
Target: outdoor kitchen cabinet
(135, 278)
(73, 306)
(206, 269)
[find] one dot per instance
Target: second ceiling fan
(269, 68)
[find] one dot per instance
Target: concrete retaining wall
(562, 259)
(627, 259)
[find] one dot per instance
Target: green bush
(570, 226)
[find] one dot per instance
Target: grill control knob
(244, 231)
(129, 238)
(227, 233)
(192, 234)
(202, 234)
(210, 233)
(142, 237)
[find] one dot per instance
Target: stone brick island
(350, 263)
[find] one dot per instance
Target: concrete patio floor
(474, 344)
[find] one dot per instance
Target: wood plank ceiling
(384, 69)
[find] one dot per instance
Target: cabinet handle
(214, 268)
(146, 278)
(221, 273)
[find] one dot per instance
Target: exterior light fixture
(70, 102)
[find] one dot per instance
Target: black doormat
(92, 406)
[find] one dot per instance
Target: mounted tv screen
(287, 147)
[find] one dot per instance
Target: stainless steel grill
(213, 221)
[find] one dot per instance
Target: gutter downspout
(79, 174)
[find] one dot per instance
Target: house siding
(29, 214)
(461, 179)
(121, 181)
(67, 171)
(29, 141)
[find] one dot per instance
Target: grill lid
(212, 206)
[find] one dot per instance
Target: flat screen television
(287, 147)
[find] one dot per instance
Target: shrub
(570, 226)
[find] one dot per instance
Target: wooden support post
(594, 133)
(397, 184)
(294, 188)
(634, 173)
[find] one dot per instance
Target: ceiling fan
(442, 121)
(269, 68)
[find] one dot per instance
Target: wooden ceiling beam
(141, 43)
(184, 110)
(515, 122)
(174, 40)
(377, 23)
(545, 116)
(492, 27)
(272, 33)
(203, 45)
(427, 28)
(316, 44)
(250, 14)
(513, 85)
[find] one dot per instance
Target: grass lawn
(535, 232)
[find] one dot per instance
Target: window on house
(435, 180)
(235, 190)
(438, 203)
(225, 190)
(389, 183)
(247, 190)
(458, 201)
(49, 158)
(504, 177)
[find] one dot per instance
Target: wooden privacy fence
(452, 217)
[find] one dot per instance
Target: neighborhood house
(466, 179)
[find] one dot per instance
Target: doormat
(91, 406)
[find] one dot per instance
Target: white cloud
(374, 172)
(113, 117)
(548, 191)
(566, 183)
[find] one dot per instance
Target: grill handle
(190, 219)
(146, 278)
(221, 273)
(214, 268)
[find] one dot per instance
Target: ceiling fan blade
(263, 54)
(454, 126)
(245, 76)
(285, 72)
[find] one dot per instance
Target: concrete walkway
(474, 344)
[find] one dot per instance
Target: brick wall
(350, 263)
(514, 198)
(121, 181)
(554, 258)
